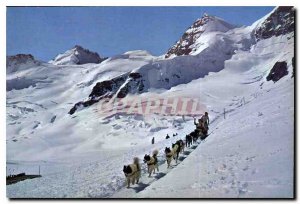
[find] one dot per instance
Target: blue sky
(48, 31)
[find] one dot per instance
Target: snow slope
(244, 157)
(43, 104)
(247, 157)
(20, 62)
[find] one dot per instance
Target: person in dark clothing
(205, 120)
(152, 140)
(201, 128)
(167, 137)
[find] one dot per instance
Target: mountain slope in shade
(77, 55)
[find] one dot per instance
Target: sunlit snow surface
(248, 154)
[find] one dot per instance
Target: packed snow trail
(146, 181)
(245, 157)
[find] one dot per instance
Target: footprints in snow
(275, 152)
(250, 159)
(228, 174)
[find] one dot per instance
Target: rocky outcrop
(118, 87)
(20, 62)
(279, 22)
(19, 58)
(278, 71)
(205, 24)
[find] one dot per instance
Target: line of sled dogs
(133, 171)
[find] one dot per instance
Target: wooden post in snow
(224, 114)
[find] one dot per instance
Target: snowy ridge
(77, 55)
(165, 74)
(20, 62)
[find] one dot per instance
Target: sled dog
(132, 172)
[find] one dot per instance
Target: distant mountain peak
(20, 62)
(207, 23)
(77, 55)
(78, 47)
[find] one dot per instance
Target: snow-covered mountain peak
(20, 61)
(204, 25)
(76, 55)
(20, 58)
(209, 23)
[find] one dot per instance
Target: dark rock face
(21, 58)
(123, 92)
(104, 89)
(119, 86)
(280, 22)
(86, 103)
(101, 88)
(14, 62)
(77, 55)
(133, 85)
(278, 71)
(184, 45)
(135, 75)
(86, 56)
